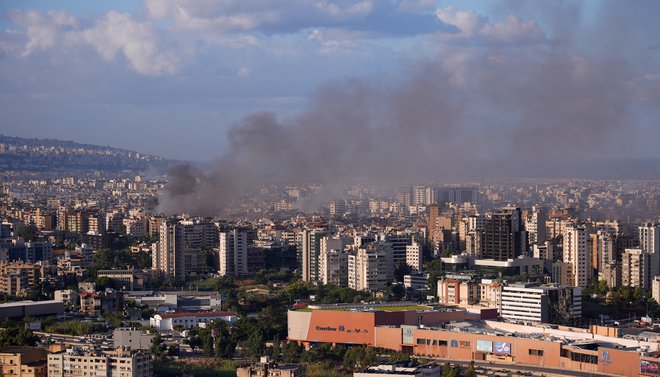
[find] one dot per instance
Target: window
(533, 352)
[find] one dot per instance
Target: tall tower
(233, 253)
(576, 253)
(310, 249)
(168, 258)
(503, 236)
(649, 242)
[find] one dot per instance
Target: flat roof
(30, 303)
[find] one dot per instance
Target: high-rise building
(399, 243)
(635, 270)
(172, 256)
(333, 267)
(576, 254)
(503, 235)
(649, 242)
(414, 256)
(333, 261)
(371, 268)
(535, 225)
(233, 253)
(310, 249)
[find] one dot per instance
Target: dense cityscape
(329, 188)
(477, 273)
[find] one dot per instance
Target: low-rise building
(94, 362)
(18, 361)
(404, 370)
(531, 302)
(132, 339)
(168, 321)
(265, 368)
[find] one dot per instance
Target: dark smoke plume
(502, 114)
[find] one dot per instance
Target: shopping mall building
(456, 333)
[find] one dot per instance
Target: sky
(503, 81)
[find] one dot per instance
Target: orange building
(408, 331)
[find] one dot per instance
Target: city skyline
(565, 81)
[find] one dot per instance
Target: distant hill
(49, 155)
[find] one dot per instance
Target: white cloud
(467, 22)
(119, 33)
(42, 30)
(470, 25)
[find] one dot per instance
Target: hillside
(49, 155)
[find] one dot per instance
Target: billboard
(648, 367)
(484, 346)
(502, 348)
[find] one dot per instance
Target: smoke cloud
(470, 112)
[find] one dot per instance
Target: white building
(635, 268)
(576, 254)
(168, 321)
(529, 302)
(371, 267)
(414, 256)
(73, 362)
(132, 339)
(649, 242)
(333, 267)
(233, 253)
(427, 370)
(655, 288)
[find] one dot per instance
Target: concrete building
(177, 253)
(414, 256)
(132, 339)
(453, 291)
(635, 268)
(416, 282)
(370, 267)
(333, 267)
(68, 296)
(233, 253)
(266, 368)
(75, 361)
(535, 225)
(576, 254)
(18, 277)
(649, 242)
(16, 361)
(21, 309)
(309, 251)
(503, 236)
(530, 302)
(402, 369)
(168, 321)
(125, 280)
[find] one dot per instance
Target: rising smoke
(500, 114)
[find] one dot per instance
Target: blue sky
(171, 77)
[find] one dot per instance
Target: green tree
(471, 372)
(27, 232)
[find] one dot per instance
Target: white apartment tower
(576, 254)
(635, 268)
(414, 257)
(371, 267)
(649, 242)
(233, 253)
(333, 261)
